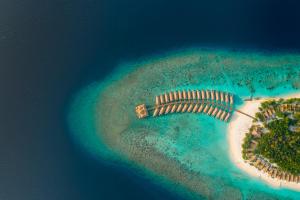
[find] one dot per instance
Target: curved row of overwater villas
(213, 95)
(214, 103)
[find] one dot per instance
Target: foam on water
(189, 151)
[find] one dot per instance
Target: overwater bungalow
(179, 108)
(167, 98)
(210, 110)
(212, 94)
(156, 111)
(217, 95)
(179, 95)
(194, 95)
(184, 94)
(168, 109)
(157, 100)
(162, 99)
(227, 117)
(174, 108)
(206, 108)
(222, 96)
(226, 98)
(231, 99)
(207, 94)
(196, 108)
(223, 115)
(190, 107)
(189, 95)
(203, 94)
(171, 97)
(201, 108)
(185, 107)
(198, 94)
(219, 113)
(175, 94)
(162, 110)
(215, 111)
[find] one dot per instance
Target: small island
(272, 144)
(168, 118)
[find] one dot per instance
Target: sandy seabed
(237, 129)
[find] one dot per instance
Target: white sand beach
(237, 129)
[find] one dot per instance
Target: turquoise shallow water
(183, 152)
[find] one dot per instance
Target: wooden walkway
(244, 113)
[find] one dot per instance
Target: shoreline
(237, 129)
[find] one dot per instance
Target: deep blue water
(50, 49)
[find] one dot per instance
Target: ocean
(49, 50)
